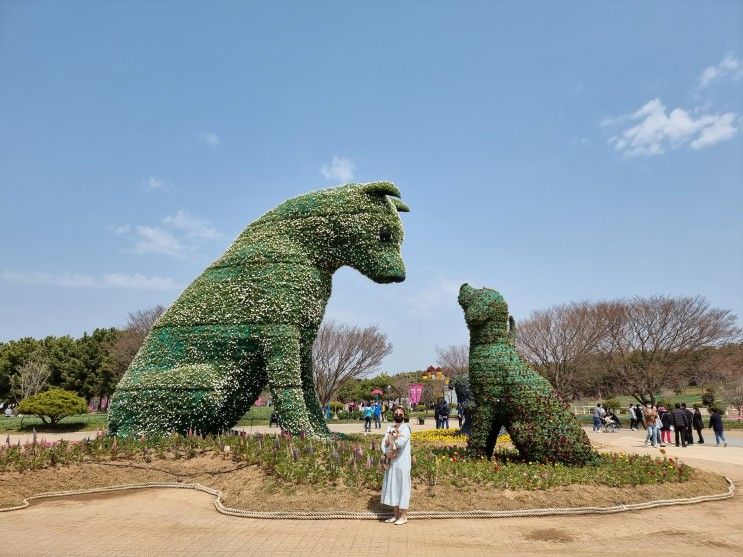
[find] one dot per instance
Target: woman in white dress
(396, 483)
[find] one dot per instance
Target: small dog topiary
(507, 392)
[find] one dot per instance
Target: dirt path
(172, 522)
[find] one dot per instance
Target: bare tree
(140, 322)
(648, 341)
(122, 350)
(557, 341)
(717, 366)
(342, 352)
(454, 359)
(400, 386)
(732, 393)
(31, 377)
(433, 390)
(727, 363)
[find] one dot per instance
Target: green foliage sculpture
(250, 319)
(507, 392)
(53, 405)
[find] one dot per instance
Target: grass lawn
(82, 422)
(257, 415)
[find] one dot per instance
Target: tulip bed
(349, 462)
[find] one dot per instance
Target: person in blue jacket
(377, 415)
(715, 422)
(367, 413)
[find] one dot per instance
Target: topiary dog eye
(385, 235)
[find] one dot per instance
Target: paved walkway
(337, 427)
(173, 522)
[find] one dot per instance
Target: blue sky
(554, 151)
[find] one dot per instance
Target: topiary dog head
(356, 225)
(484, 309)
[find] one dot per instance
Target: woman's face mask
(398, 418)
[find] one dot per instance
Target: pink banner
(416, 390)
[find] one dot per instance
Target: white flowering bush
(251, 318)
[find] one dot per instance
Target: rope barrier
(368, 515)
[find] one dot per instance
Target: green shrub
(708, 398)
(612, 404)
(346, 415)
(666, 403)
(53, 405)
(336, 406)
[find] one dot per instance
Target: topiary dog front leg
(314, 410)
(481, 442)
(281, 351)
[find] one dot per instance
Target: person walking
(437, 413)
(698, 424)
(680, 424)
(396, 483)
(638, 416)
(445, 415)
(367, 413)
(649, 416)
(715, 422)
(658, 426)
(598, 415)
(632, 418)
(666, 420)
(377, 415)
(689, 430)
(460, 414)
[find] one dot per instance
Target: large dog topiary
(251, 318)
(507, 392)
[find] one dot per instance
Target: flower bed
(307, 461)
(450, 437)
(278, 472)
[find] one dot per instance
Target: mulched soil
(247, 487)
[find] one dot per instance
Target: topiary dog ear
(400, 206)
(381, 188)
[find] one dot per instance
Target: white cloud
(152, 239)
(730, 66)
(153, 184)
(609, 121)
(139, 281)
(339, 169)
(192, 226)
(211, 139)
(180, 236)
(722, 129)
(75, 280)
(659, 131)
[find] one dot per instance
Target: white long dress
(396, 482)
